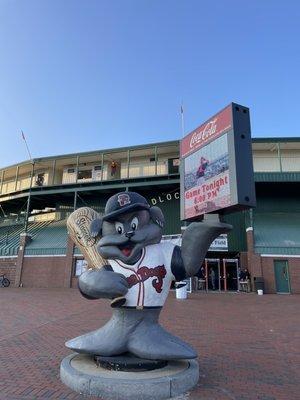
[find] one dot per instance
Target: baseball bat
(78, 225)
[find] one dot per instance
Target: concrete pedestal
(80, 373)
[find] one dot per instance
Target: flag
(181, 109)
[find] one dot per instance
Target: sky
(86, 75)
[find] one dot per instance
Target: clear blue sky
(86, 75)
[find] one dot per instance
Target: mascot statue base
(81, 373)
(136, 276)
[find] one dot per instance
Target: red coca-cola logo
(202, 135)
(210, 130)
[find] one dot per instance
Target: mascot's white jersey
(150, 278)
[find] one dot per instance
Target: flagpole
(183, 227)
(182, 120)
(24, 138)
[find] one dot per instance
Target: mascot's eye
(119, 227)
(134, 223)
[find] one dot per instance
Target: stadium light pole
(31, 177)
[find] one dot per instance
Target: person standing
(239, 278)
(201, 278)
(113, 168)
(244, 280)
(247, 279)
(212, 276)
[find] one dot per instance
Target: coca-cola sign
(210, 130)
(201, 135)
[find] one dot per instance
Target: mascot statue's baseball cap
(122, 203)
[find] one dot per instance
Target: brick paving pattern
(248, 345)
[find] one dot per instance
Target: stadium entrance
(219, 275)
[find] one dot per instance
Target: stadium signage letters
(164, 197)
(220, 243)
(210, 130)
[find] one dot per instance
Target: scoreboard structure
(216, 167)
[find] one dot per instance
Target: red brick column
(254, 259)
(244, 259)
(69, 263)
(24, 239)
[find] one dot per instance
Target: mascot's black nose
(129, 234)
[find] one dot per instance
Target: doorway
(212, 274)
(230, 274)
(221, 275)
(282, 279)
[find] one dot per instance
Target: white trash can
(260, 292)
(181, 292)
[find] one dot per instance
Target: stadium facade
(37, 196)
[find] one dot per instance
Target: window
(80, 267)
(84, 174)
(173, 165)
(40, 178)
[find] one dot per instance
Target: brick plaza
(248, 345)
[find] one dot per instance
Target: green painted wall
(169, 203)
(276, 219)
(237, 237)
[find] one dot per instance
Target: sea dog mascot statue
(140, 267)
